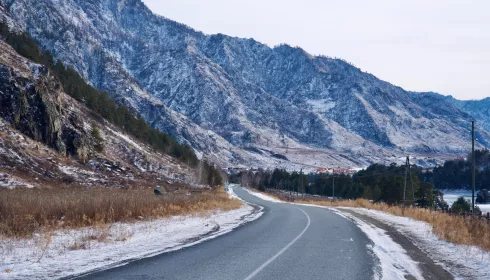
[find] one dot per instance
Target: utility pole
(473, 166)
(411, 181)
(405, 184)
(333, 186)
(300, 187)
(408, 173)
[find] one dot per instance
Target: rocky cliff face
(235, 100)
(47, 139)
(30, 99)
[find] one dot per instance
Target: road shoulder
(429, 269)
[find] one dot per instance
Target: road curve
(287, 242)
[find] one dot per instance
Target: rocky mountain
(479, 109)
(240, 102)
(47, 138)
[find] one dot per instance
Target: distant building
(336, 171)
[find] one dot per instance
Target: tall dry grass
(25, 211)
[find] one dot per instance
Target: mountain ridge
(239, 95)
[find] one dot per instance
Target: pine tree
(98, 145)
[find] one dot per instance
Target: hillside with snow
(239, 102)
(46, 138)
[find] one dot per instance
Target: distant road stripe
(282, 251)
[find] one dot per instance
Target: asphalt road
(287, 242)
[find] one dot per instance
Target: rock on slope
(40, 126)
(238, 101)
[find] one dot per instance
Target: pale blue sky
(431, 45)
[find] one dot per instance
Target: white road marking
(282, 250)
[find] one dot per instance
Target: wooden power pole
(408, 173)
(473, 166)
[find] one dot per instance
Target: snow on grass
(73, 171)
(464, 262)
(74, 252)
(10, 182)
(263, 196)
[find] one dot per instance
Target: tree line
(101, 103)
(456, 174)
(378, 183)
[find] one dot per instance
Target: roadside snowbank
(263, 196)
(464, 262)
(394, 263)
(74, 252)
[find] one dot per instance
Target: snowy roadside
(263, 196)
(67, 253)
(394, 263)
(464, 262)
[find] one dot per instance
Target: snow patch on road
(73, 252)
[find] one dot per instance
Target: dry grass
(25, 211)
(454, 229)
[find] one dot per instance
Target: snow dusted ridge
(74, 252)
(239, 102)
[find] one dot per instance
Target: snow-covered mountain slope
(479, 109)
(237, 101)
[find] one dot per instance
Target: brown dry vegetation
(451, 228)
(25, 211)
